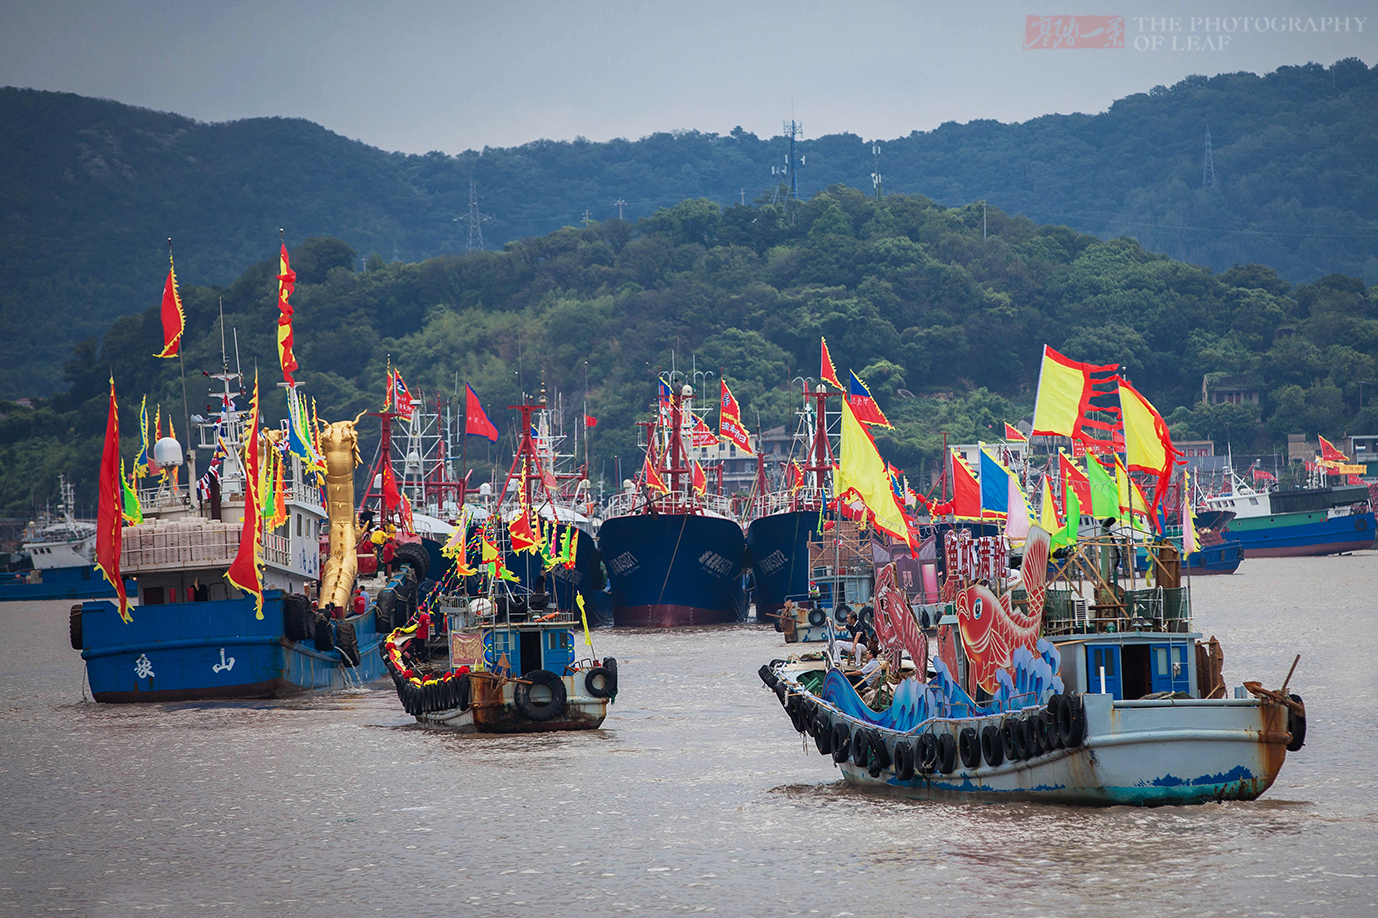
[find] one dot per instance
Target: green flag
(1105, 495)
(133, 513)
(1067, 535)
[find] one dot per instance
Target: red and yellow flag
(522, 535)
(700, 479)
(652, 477)
(109, 516)
(730, 422)
(244, 573)
(826, 371)
(287, 282)
(173, 318)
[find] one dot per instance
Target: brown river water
(695, 796)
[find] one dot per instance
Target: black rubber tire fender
(867, 617)
(413, 553)
(1296, 726)
(347, 641)
(792, 708)
(541, 711)
(969, 745)
(822, 732)
(1071, 721)
(905, 756)
(778, 627)
(926, 753)
(298, 624)
(1050, 715)
(325, 636)
(861, 747)
(840, 612)
(841, 741)
(947, 754)
(1033, 747)
(782, 692)
(1011, 740)
(992, 745)
(597, 682)
(817, 618)
(765, 674)
(610, 664)
(74, 626)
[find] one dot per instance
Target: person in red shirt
(389, 555)
(360, 607)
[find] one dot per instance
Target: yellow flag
(584, 617)
(861, 469)
(1047, 518)
(1063, 386)
(1190, 543)
(1147, 443)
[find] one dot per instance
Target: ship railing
(276, 549)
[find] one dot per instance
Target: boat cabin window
(153, 596)
(298, 524)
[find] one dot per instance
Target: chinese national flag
(173, 318)
(287, 282)
(109, 515)
(391, 497)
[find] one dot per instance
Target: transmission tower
(1208, 167)
(794, 130)
(475, 221)
(875, 175)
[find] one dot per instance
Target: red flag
(476, 423)
(652, 477)
(826, 372)
(1329, 453)
(1012, 434)
(700, 479)
(109, 519)
(402, 402)
(287, 282)
(244, 572)
(391, 497)
(590, 421)
(794, 476)
(966, 490)
(730, 422)
(701, 434)
(1076, 479)
(173, 318)
(863, 405)
(523, 538)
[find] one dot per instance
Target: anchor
(224, 665)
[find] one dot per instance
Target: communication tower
(1208, 167)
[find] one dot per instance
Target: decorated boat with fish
(1067, 679)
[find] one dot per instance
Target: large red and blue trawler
(672, 551)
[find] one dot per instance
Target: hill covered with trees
(90, 190)
(945, 324)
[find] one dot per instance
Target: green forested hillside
(908, 292)
(90, 189)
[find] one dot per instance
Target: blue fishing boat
(1301, 522)
(55, 558)
(1075, 690)
(191, 634)
(673, 556)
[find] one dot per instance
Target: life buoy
(841, 741)
(947, 754)
(969, 745)
(1071, 721)
(1296, 726)
(992, 745)
(817, 618)
(543, 710)
(597, 682)
(904, 760)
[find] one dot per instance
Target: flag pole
(186, 411)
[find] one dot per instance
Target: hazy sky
(454, 76)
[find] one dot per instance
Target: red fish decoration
(992, 628)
